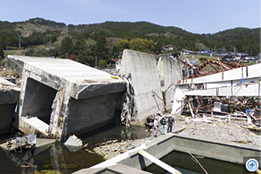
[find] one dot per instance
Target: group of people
(163, 123)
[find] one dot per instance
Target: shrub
(203, 59)
(73, 57)
(102, 63)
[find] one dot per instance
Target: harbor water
(185, 163)
(62, 159)
(58, 158)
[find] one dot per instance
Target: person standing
(170, 123)
(155, 126)
(163, 123)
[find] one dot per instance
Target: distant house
(205, 52)
(250, 59)
(221, 52)
(193, 61)
(187, 51)
(168, 47)
(244, 54)
(229, 58)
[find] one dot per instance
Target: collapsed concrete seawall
(140, 68)
(60, 97)
(151, 82)
(170, 71)
(9, 94)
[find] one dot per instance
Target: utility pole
(19, 40)
(96, 62)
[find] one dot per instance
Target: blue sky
(196, 16)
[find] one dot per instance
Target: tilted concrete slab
(9, 94)
(63, 93)
(170, 71)
(142, 69)
(34, 124)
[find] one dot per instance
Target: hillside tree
(101, 51)
(66, 47)
(84, 49)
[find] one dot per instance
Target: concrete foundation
(142, 70)
(9, 94)
(161, 146)
(60, 97)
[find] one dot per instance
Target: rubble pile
(212, 128)
(234, 106)
(4, 72)
(218, 130)
(111, 149)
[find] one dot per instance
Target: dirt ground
(212, 128)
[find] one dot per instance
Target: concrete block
(142, 70)
(63, 93)
(170, 71)
(33, 125)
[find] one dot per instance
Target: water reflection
(115, 133)
(57, 158)
(185, 164)
(60, 159)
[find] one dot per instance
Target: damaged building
(213, 84)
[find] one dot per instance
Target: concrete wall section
(114, 169)
(143, 71)
(172, 72)
(9, 92)
(231, 152)
(161, 146)
(38, 100)
(6, 116)
(91, 113)
(99, 89)
(9, 95)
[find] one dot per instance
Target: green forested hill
(106, 40)
(244, 39)
(125, 29)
